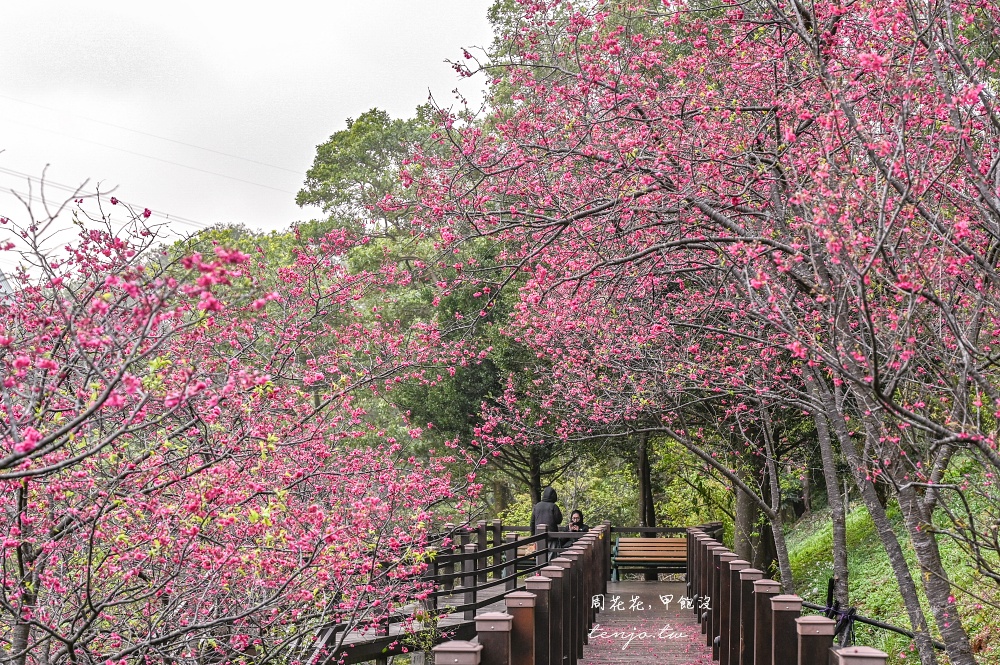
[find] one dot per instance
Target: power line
(155, 136)
(139, 154)
(105, 197)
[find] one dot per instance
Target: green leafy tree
(359, 166)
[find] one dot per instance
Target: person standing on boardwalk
(576, 522)
(546, 512)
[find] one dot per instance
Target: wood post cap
(521, 598)
(748, 574)
(786, 603)
(539, 582)
(857, 656)
(727, 556)
(457, 652)
(815, 625)
(766, 586)
(552, 571)
(494, 622)
(561, 561)
(738, 564)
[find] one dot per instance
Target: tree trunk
(840, 580)
(743, 525)
(774, 515)
(907, 588)
(746, 533)
(806, 494)
(935, 580)
(501, 499)
(765, 556)
(535, 472)
(647, 513)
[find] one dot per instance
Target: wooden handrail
(750, 620)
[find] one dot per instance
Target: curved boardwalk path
(653, 634)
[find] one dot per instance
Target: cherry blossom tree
(186, 475)
(807, 194)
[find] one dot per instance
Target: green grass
(873, 588)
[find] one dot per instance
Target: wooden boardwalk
(643, 630)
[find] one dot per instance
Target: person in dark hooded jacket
(546, 512)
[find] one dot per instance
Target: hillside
(873, 588)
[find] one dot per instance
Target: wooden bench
(650, 554)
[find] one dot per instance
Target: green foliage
(358, 166)
(688, 494)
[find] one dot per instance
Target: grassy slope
(873, 586)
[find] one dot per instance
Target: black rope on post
(847, 618)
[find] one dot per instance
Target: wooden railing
(748, 621)
(479, 559)
(546, 594)
(547, 622)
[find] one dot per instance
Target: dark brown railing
(479, 559)
(546, 595)
(748, 621)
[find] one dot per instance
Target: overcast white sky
(265, 83)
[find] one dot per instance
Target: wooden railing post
(815, 639)
(557, 621)
(857, 656)
(589, 579)
(748, 607)
(496, 540)
(568, 630)
(448, 568)
(433, 570)
(690, 561)
(521, 606)
(575, 555)
(542, 588)
(785, 609)
(470, 559)
(493, 630)
(481, 541)
(606, 555)
(510, 570)
(457, 652)
(729, 649)
(596, 573)
(709, 627)
(709, 548)
(698, 583)
(720, 603)
(763, 592)
(542, 556)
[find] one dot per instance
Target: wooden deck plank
(631, 635)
